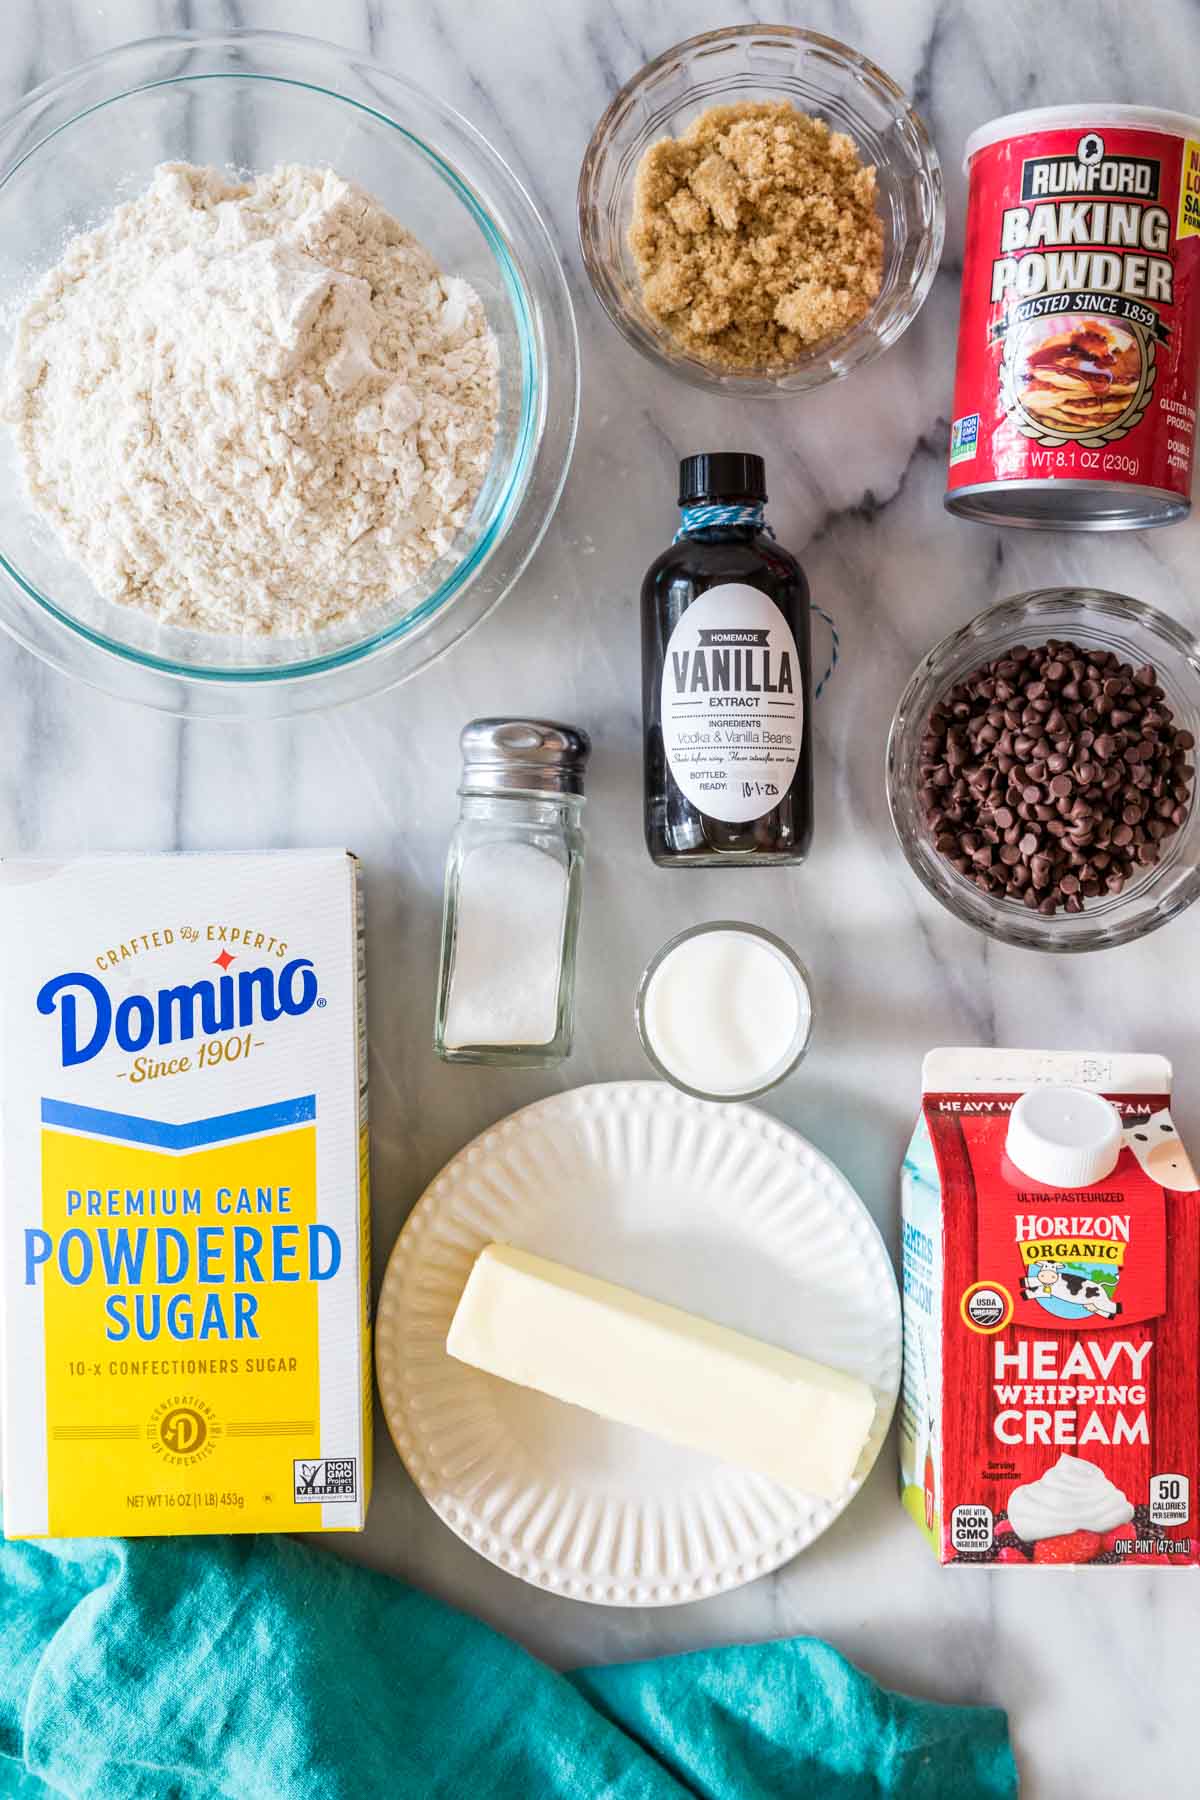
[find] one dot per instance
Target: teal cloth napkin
(258, 1669)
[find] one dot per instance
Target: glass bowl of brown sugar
(704, 286)
(1040, 770)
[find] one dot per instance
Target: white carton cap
(1064, 1136)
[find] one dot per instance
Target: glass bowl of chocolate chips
(1040, 770)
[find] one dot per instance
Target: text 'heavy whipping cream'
(1051, 1230)
(185, 1209)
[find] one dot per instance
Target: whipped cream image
(1072, 1496)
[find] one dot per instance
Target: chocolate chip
(1052, 774)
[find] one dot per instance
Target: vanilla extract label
(732, 703)
(734, 662)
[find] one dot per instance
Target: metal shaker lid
(523, 756)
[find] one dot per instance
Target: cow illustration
(1156, 1145)
(1051, 1281)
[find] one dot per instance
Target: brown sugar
(756, 234)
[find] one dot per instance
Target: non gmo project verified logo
(964, 439)
(326, 1481)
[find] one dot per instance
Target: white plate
(718, 1209)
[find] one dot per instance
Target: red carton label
(1050, 1411)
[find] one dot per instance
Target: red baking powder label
(1052, 1336)
(1079, 332)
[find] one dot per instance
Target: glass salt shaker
(506, 991)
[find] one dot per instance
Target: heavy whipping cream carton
(1051, 1252)
(186, 1340)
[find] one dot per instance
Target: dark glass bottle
(726, 681)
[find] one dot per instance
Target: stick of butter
(641, 1363)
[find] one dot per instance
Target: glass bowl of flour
(288, 375)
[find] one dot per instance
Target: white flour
(253, 407)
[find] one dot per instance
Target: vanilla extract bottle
(726, 680)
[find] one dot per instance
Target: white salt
(508, 947)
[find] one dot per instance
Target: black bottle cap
(722, 475)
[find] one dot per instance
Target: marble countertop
(856, 477)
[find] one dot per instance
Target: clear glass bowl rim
(523, 467)
(1130, 917)
(863, 342)
(742, 929)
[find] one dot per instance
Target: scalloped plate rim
(812, 1518)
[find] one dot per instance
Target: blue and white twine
(702, 518)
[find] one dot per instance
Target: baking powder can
(1079, 331)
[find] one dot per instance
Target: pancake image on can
(1090, 381)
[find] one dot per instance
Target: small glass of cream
(724, 1010)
